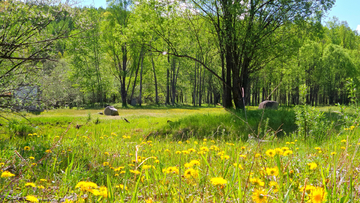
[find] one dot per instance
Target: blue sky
(345, 10)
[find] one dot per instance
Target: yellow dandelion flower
(145, 167)
(243, 156)
(243, 148)
(343, 147)
(48, 151)
(27, 148)
(106, 164)
(279, 151)
(238, 165)
(270, 153)
(275, 186)
(136, 172)
(43, 180)
(215, 148)
(318, 195)
(185, 152)
(287, 153)
(149, 200)
(30, 184)
(41, 187)
(195, 142)
(287, 143)
(121, 186)
(31, 198)
(259, 196)
(257, 182)
(218, 181)
(257, 155)
(86, 186)
(333, 153)
(191, 150)
(317, 148)
(312, 165)
(226, 157)
(343, 141)
(204, 149)
(191, 173)
(7, 174)
(272, 171)
(179, 142)
(106, 153)
(171, 170)
(119, 168)
(177, 152)
(292, 142)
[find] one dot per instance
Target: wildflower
(40, 187)
(243, 148)
(166, 150)
(103, 191)
(119, 168)
(187, 141)
(150, 200)
(34, 164)
(195, 142)
(272, 171)
(242, 156)
(121, 186)
(177, 152)
(226, 157)
(287, 153)
(106, 164)
(145, 167)
(259, 196)
(312, 165)
(333, 153)
(7, 174)
(344, 141)
(136, 172)
(307, 189)
(285, 149)
(343, 147)
(191, 173)
(318, 195)
(257, 155)
(179, 142)
(43, 180)
(257, 182)
(275, 186)
(287, 143)
(106, 153)
(27, 148)
(205, 140)
(215, 148)
(191, 150)
(30, 184)
(292, 142)
(204, 149)
(48, 151)
(218, 181)
(279, 151)
(185, 152)
(86, 186)
(270, 153)
(201, 152)
(31, 198)
(238, 165)
(157, 161)
(317, 148)
(170, 170)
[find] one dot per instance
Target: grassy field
(178, 155)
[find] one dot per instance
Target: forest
(176, 52)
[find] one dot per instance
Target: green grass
(167, 137)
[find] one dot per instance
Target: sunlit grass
(117, 161)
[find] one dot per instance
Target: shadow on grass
(230, 127)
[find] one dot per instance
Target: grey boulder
(111, 111)
(268, 104)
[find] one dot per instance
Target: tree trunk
(141, 74)
(156, 88)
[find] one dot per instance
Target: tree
(249, 34)
(26, 41)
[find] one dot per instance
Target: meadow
(182, 155)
